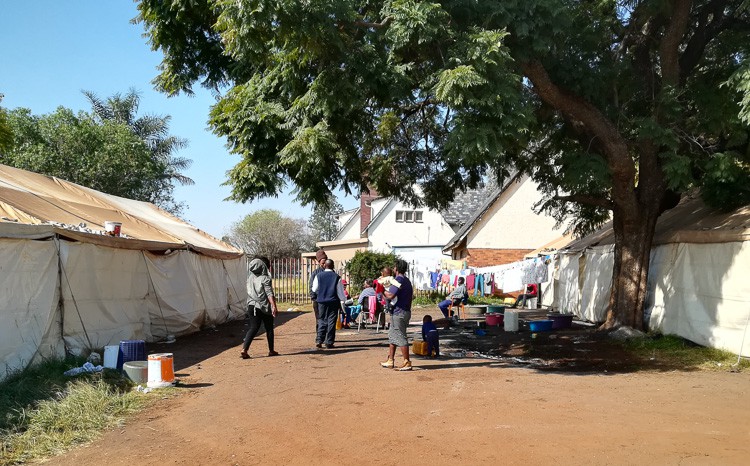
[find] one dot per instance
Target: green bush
(368, 264)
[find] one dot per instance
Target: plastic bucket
(131, 350)
(510, 322)
(113, 228)
(137, 371)
(561, 320)
(111, 354)
(160, 370)
(494, 319)
(495, 308)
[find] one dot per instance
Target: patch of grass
(45, 413)
(433, 297)
(22, 389)
(675, 351)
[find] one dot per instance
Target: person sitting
(459, 295)
(431, 336)
(364, 299)
(531, 292)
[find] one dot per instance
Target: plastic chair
(461, 310)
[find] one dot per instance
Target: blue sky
(50, 50)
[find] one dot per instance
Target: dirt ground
(564, 398)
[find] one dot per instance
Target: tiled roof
(465, 205)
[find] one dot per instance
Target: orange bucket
(160, 370)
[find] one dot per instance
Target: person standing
(321, 258)
(401, 314)
(261, 304)
(330, 295)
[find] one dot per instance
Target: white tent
(698, 282)
(70, 287)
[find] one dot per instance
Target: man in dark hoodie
(261, 304)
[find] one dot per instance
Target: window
(409, 216)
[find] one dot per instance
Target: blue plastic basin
(540, 325)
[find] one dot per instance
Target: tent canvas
(69, 287)
(697, 285)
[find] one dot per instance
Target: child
(430, 335)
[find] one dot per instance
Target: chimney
(365, 211)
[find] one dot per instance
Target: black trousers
(256, 319)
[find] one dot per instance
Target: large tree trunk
(630, 272)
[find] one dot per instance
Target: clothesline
(486, 280)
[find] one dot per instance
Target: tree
(107, 157)
(269, 233)
(153, 130)
(6, 136)
(368, 264)
(616, 108)
(322, 223)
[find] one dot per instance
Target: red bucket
(494, 319)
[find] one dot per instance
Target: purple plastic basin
(540, 325)
(561, 320)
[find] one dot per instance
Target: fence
(291, 278)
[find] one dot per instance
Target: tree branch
(704, 33)
(669, 47)
(597, 124)
(586, 200)
(370, 25)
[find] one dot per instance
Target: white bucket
(113, 228)
(160, 370)
(110, 356)
(510, 321)
(531, 303)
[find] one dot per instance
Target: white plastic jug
(510, 322)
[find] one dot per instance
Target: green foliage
(368, 264)
(269, 233)
(107, 157)
(77, 414)
(110, 150)
(322, 222)
(153, 130)
(6, 135)
(608, 105)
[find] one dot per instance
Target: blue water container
(131, 350)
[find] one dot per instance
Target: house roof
(348, 221)
(465, 205)
(691, 221)
(379, 214)
(478, 213)
(30, 202)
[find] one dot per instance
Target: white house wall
(510, 223)
(351, 230)
(385, 233)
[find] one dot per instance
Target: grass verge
(44, 413)
(674, 351)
